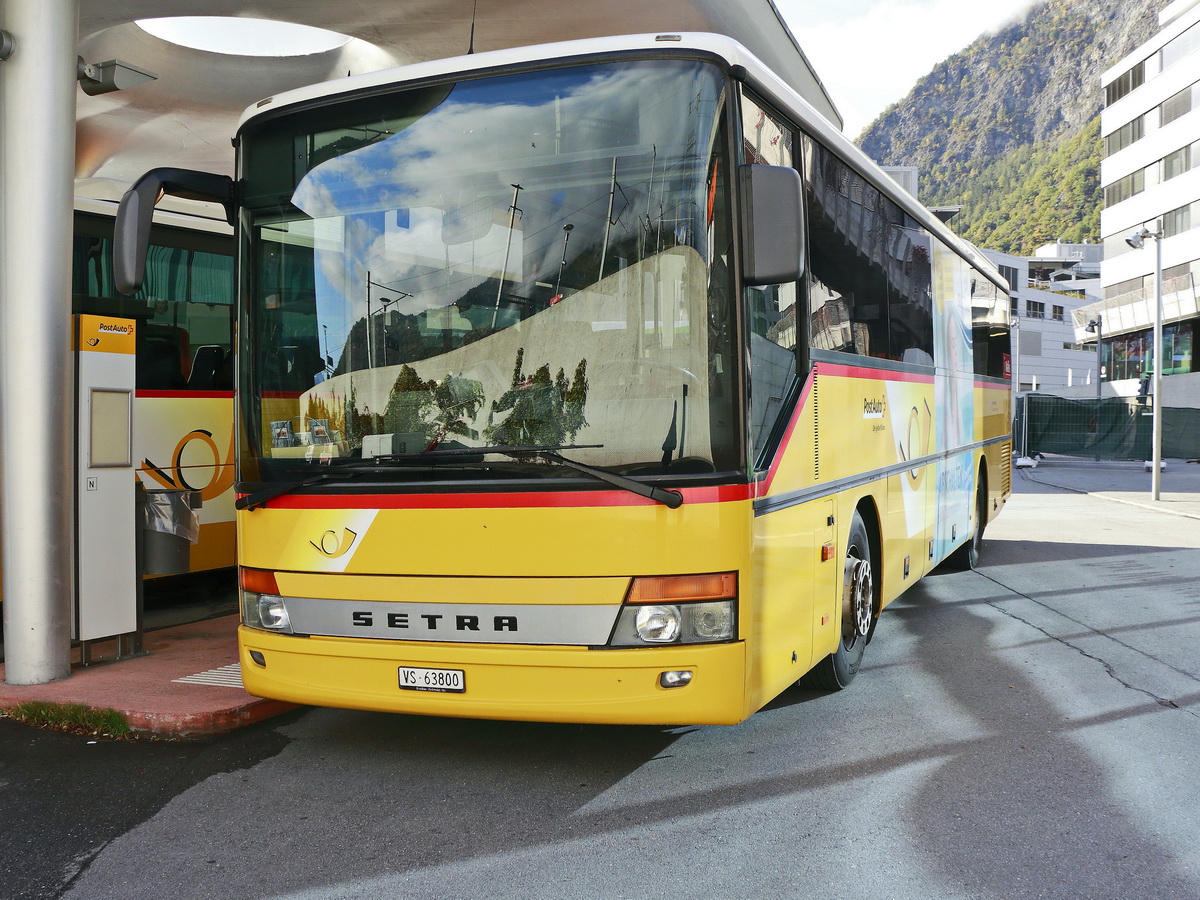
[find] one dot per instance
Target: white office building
(1151, 179)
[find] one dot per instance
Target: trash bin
(169, 528)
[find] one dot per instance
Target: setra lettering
(432, 621)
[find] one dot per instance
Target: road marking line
(226, 676)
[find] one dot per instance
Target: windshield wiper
(261, 498)
(669, 498)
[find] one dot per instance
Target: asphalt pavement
(1123, 482)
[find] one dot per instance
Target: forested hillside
(1009, 127)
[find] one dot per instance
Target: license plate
(451, 681)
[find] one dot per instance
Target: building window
(1129, 356)
(1057, 313)
(1125, 83)
(1125, 135)
(1182, 160)
(1012, 306)
(1122, 288)
(1177, 221)
(1124, 188)
(1175, 164)
(1176, 107)
(1010, 274)
(1179, 47)
(1035, 309)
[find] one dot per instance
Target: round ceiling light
(239, 36)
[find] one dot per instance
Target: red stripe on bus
(847, 371)
(184, 395)
(530, 500)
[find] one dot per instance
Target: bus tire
(966, 557)
(838, 669)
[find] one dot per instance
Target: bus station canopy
(186, 117)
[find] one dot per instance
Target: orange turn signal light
(260, 581)
(682, 588)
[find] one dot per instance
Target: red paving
(144, 689)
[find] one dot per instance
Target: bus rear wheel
(966, 557)
(838, 669)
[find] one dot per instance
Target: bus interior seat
(223, 376)
(159, 367)
(205, 365)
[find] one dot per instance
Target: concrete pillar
(37, 161)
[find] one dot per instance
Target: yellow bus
(603, 381)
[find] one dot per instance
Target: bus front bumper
(544, 684)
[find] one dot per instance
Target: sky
(870, 53)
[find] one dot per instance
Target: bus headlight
(678, 609)
(265, 611)
(657, 624)
(711, 621)
(677, 623)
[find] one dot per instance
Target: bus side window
(989, 327)
(870, 276)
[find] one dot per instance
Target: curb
(206, 724)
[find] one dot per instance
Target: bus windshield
(524, 260)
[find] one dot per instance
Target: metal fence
(1110, 428)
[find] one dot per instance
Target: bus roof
(729, 49)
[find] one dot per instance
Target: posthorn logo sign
(332, 545)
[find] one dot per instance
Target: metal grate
(226, 676)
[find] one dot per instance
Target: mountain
(1009, 127)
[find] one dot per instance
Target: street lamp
(1096, 327)
(1137, 241)
(384, 303)
(512, 223)
(370, 326)
(562, 265)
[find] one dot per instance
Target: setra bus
(603, 381)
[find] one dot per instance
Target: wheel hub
(858, 599)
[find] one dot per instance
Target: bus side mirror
(131, 231)
(773, 229)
